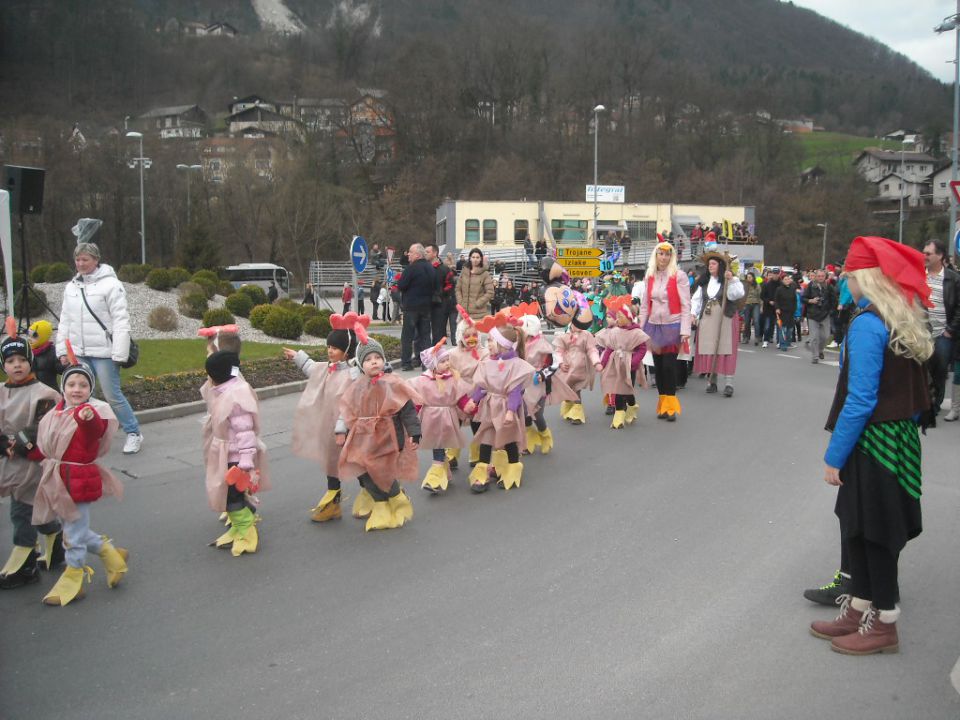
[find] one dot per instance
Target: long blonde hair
(652, 265)
(907, 322)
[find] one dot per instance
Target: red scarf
(673, 296)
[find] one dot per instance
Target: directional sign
(584, 272)
(577, 262)
(358, 253)
(567, 253)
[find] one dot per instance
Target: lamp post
(902, 181)
(596, 137)
(189, 169)
(143, 162)
(823, 248)
(949, 23)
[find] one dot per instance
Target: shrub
(258, 314)
(159, 279)
(283, 323)
(36, 306)
(218, 316)
(209, 286)
(287, 304)
(193, 305)
(239, 304)
(178, 276)
(189, 288)
(226, 288)
(163, 317)
(59, 272)
(134, 273)
(207, 275)
(307, 311)
(318, 326)
(39, 274)
(256, 294)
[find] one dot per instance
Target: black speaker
(25, 185)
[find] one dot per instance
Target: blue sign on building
(358, 253)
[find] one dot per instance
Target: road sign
(955, 187)
(358, 253)
(584, 272)
(566, 253)
(577, 262)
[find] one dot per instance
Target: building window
(472, 231)
(521, 229)
(886, 187)
(943, 185)
(215, 166)
(490, 231)
(441, 236)
(568, 231)
(642, 230)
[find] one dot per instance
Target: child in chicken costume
(465, 358)
(624, 345)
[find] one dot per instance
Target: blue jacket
(866, 343)
(844, 293)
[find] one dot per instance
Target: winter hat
(40, 333)
(432, 356)
(78, 369)
(13, 344)
(902, 264)
(222, 365)
(366, 345)
(343, 336)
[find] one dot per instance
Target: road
(654, 572)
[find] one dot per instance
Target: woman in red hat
(874, 452)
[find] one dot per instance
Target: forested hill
(111, 56)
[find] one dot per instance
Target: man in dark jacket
(768, 312)
(785, 302)
(416, 286)
(819, 300)
(944, 316)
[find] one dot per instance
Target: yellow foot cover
(381, 517)
(436, 477)
(115, 561)
(546, 441)
(474, 453)
(225, 540)
(328, 508)
(18, 556)
(576, 414)
(69, 587)
(565, 407)
(401, 507)
(511, 476)
(630, 414)
(619, 418)
(533, 439)
(500, 460)
(478, 476)
(363, 505)
(246, 543)
(453, 454)
(225, 518)
(668, 405)
(49, 541)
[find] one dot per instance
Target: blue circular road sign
(358, 253)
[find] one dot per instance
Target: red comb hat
(347, 322)
(209, 332)
(501, 319)
(900, 263)
(466, 316)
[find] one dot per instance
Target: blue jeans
(108, 378)
(940, 367)
(79, 539)
(768, 323)
(751, 318)
(785, 334)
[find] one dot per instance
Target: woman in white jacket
(99, 348)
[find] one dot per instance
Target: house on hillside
(874, 164)
(190, 28)
(812, 175)
(221, 156)
(369, 135)
(795, 125)
(318, 115)
(261, 118)
(220, 29)
(178, 121)
(892, 187)
(940, 186)
(250, 101)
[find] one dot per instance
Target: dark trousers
(367, 483)
(874, 571)
(24, 531)
(453, 317)
(768, 322)
(415, 335)
(665, 371)
(346, 308)
(538, 419)
(361, 308)
(513, 453)
(438, 322)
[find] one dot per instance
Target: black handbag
(134, 352)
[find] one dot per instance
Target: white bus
(260, 274)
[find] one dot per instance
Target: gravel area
(142, 299)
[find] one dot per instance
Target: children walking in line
(236, 458)
(379, 431)
(624, 346)
(315, 419)
(579, 363)
(465, 358)
(71, 438)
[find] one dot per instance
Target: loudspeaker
(25, 185)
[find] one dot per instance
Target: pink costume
(315, 418)
(54, 436)
(368, 408)
(619, 345)
(231, 433)
(19, 476)
(541, 355)
(578, 349)
(465, 361)
(442, 397)
(499, 379)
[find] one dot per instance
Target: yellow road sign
(584, 272)
(567, 253)
(578, 263)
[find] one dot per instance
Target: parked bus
(260, 274)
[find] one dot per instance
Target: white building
(875, 164)
(940, 182)
(892, 187)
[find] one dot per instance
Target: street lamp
(189, 169)
(143, 162)
(949, 23)
(823, 249)
(596, 136)
(903, 146)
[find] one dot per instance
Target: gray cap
(367, 348)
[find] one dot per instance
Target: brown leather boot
(847, 622)
(873, 636)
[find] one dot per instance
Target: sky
(907, 27)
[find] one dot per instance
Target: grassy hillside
(835, 152)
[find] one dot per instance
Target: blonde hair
(515, 334)
(907, 322)
(652, 265)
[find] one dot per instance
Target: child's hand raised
(85, 413)
(289, 354)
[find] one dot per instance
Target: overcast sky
(907, 27)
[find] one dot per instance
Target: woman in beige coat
(475, 287)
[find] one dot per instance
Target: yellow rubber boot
(401, 507)
(328, 508)
(115, 561)
(576, 414)
(363, 505)
(474, 453)
(436, 478)
(69, 587)
(533, 439)
(512, 475)
(478, 477)
(565, 406)
(630, 414)
(619, 418)
(546, 442)
(500, 461)
(381, 517)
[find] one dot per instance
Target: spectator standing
(416, 285)
(768, 315)
(442, 293)
(529, 250)
(308, 297)
(93, 297)
(361, 294)
(751, 309)
(383, 301)
(375, 296)
(475, 287)
(347, 297)
(453, 317)
(785, 303)
(819, 300)
(376, 257)
(944, 318)
(541, 249)
(272, 293)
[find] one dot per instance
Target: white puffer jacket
(108, 299)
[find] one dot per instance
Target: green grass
(160, 357)
(835, 152)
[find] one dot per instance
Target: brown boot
(873, 636)
(847, 622)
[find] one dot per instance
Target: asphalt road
(654, 572)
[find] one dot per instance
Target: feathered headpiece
(465, 316)
(212, 334)
(348, 321)
(75, 367)
(518, 311)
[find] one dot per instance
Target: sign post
(358, 259)
(581, 262)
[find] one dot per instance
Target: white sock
(859, 604)
(890, 616)
(728, 380)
